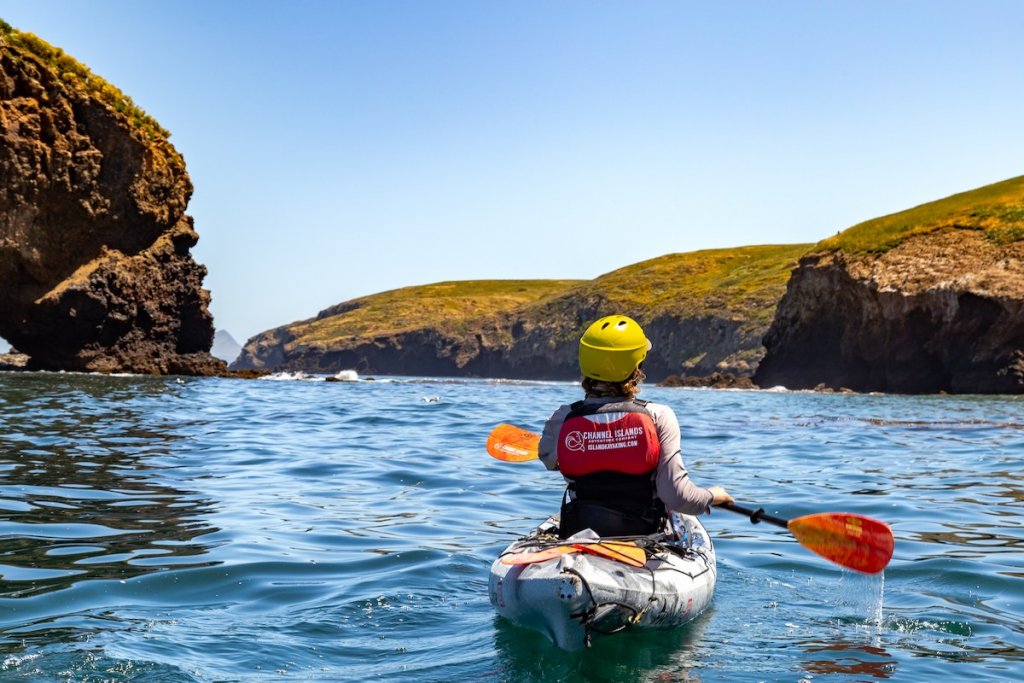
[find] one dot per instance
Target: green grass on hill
(445, 306)
(996, 210)
(78, 76)
(742, 283)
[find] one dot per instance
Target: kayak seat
(605, 520)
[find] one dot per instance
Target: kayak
(575, 589)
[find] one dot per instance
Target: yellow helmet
(612, 348)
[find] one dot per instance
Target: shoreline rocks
(716, 380)
(13, 361)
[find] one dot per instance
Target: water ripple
(211, 529)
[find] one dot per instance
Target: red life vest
(609, 451)
(608, 437)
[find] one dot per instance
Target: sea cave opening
(11, 358)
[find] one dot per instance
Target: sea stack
(95, 268)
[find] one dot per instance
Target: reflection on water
(83, 491)
(844, 657)
(671, 655)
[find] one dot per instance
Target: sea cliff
(95, 266)
(705, 312)
(924, 301)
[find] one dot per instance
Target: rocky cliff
(929, 300)
(705, 312)
(442, 329)
(95, 269)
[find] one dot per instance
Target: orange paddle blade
(627, 553)
(852, 541)
(512, 444)
(538, 555)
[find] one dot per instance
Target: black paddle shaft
(758, 515)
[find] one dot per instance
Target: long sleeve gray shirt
(672, 481)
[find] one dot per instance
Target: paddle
(512, 444)
(846, 538)
(850, 540)
(627, 553)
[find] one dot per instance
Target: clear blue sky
(344, 148)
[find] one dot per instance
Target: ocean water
(171, 529)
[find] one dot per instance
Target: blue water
(164, 529)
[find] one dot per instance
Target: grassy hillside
(996, 210)
(450, 307)
(742, 283)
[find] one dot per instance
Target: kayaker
(619, 455)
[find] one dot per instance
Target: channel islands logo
(574, 441)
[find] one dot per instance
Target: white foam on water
(290, 377)
(15, 661)
(347, 376)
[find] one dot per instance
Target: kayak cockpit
(577, 588)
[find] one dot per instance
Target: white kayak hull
(577, 596)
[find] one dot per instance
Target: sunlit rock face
(95, 268)
(940, 312)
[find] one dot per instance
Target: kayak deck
(574, 589)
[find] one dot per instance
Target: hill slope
(704, 311)
(225, 346)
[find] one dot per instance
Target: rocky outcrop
(716, 380)
(13, 360)
(941, 312)
(95, 268)
(267, 351)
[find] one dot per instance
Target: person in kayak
(620, 456)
